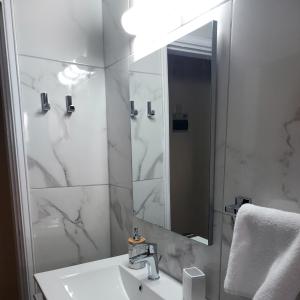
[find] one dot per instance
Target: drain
(140, 287)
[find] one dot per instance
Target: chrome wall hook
(44, 102)
(69, 105)
(150, 111)
(133, 111)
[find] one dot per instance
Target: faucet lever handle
(159, 256)
(152, 248)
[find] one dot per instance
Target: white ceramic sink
(107, 279)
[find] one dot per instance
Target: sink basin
(107, 279)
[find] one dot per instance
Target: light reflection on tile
(64, 30)
(116, 40)
(64, 150)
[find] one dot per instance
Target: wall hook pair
(70, 108)
(134, 112)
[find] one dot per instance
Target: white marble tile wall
(118, 111)
(66, 30)
(70, 225)
(263, 157)
(119, 155)
(116, 51)
(149, 204)
(147, 138)
(177, 251)
(151, 64)
(60, 51)
(64, 150)
(147, 133)
(121, 218)
(116, 40)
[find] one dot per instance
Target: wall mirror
(172, 100)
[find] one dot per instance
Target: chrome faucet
(150, 257)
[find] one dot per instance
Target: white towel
(264, 261)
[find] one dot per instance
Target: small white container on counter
(193, 284)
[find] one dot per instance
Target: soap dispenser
(136, 246)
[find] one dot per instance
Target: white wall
(67, 155)
(263, 157)
(177, 251)
(262, 146)
(116, 51)
(147, 138)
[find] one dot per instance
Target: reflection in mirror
(173, 92)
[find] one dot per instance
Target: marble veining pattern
(290, 157)
(75, 220)
(121, 214)
(264, 121)
(118, 111)
(177, 251)
(146, 133)
(149, 204)
(266, 163)
(64, 150)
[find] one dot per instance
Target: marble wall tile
(151, 64)
(64, 150)
(121, 214)
(116, 40)
(64, 30)
(69, 225)
(262, 159)
(147, 133)
(179, 252)
(149, 204)
(118, 122)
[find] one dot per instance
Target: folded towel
(264, 261)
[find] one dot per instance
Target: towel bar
(233, 209)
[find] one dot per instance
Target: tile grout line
(156, 178)
(121, 187)
(116, 61)
(145, 73)
(60, 61)
(69, 186)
